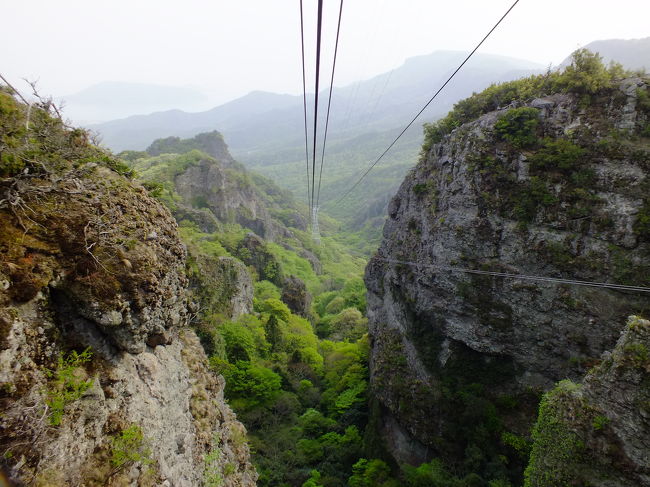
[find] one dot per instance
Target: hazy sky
(228, 48)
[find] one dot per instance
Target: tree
(587, 74)
(274, 333)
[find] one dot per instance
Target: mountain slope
(266, 120)
(289, 375)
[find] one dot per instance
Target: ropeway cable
(426, 104)
(329, 103)
(617, 287)
(304, 100)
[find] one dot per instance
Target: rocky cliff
(206, 177)
(597, 433)
(546, 176)
(102, 381)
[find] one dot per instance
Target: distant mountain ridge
(261, 121)
(633, 54)
(116, 99)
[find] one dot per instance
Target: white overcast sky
(228, 48)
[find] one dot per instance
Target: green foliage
(314, 424)
(555, 446)
(296, 424)
(274, 334)
(428, 474)
(517, 126)
(275, 307)
(520, 444)
(599, 422)
(557, 155)
(293, 265)
(323, 300)
(175, 145)
(264, 290)
(534, 195)
(435, 131)
(349, 324)
(371, 473)
(336, 305)
(130, 447)
(251, 385)
(243, 340)
(119, 167)
(164, 168)
(586, 73)
(67, 383)
(43, 143)
(212, 475)
(642, 223)
(208, 244)
(354, 395)
(313, 480)
(155, 189)
(638, 354)
(132, 155)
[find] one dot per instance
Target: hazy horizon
(226, 50)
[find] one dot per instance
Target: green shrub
(556, 447)
(371, 473)
(557, 154)
(517, 126)
(68, 383)
(586, 74)
(130, 447)
(251, 385)
(642, 224)
(599, 422)
(211, 469)
(530, 198)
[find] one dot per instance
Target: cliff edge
(102, 381)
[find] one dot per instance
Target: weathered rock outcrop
(211, 143)
(556, 187)
(229, 194)
(598, 433)
(221, 285)
(90, 262)
(296, 296)
(253, 252)
(223, 186)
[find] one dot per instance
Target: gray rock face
(241, 301)
(597, 433)
(229, 199)
(296, 296)
(252, 251)
(477, 201)
(74, 282)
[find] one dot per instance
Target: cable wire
(304, 100)
(318, 39)
(617, 287)
(329, 102)
(427, 103)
